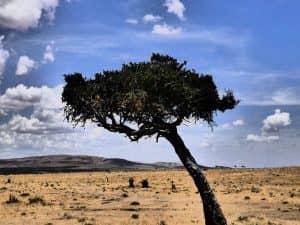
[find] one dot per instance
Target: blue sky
(248, 46)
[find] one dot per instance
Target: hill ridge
(76, 163)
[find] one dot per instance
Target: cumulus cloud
(6, 139)
(276, 121)
(20, 97)
(33, 125)
(238, 123)
(149, 18)
(261, 138)
(166, 30)
(176, 7)
(272, 123)
(4, 55)
(25, 65)
(132, 21)
(44, 126)
(48, 56)
(22, 15)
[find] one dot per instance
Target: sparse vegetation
(135, 216)
(36, 200)
(173, 187)
(153, 205)
(145, 183)
(247, 197)
(12, 199)
(131, 182)
(135, 203)
(25, 194)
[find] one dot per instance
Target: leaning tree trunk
(212, 210)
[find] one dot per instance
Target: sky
(250, 47)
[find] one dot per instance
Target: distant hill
(69, 163)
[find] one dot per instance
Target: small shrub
(81, 220)
(271, 223)
(255, 189)
(162, 222)
(242, 218)
(12, 199)
(3, 188)
(131, 182)
(124, 195)
(135, 203)
(67, 216)
(247, 197)
(173, 187)
(24, 194)
(145, 183)
(135, 216)
(36, 200)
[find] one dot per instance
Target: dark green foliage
(131, 182)
(145, 98)
(145, 183)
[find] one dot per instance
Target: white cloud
(238, 123)
(286, 96)
(234, 39)
(6, 139)
(272, 123)
(45, 126)
(132, 21)
(4, 55)
(204, 144)
(176, 7)
(47, 115)
(21, 97)
(166, 30)
(225, 126)
(25, 65)
(149, 18)
(22, 15)
(32, 125)
(48, 56)
(276, 121)
(232, 124)
(261, 138)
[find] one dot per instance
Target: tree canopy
(144, 98)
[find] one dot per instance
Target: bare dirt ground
(247, 196)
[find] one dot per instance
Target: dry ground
(248, 197)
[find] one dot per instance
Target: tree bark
(212, 210)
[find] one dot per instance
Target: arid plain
(247, 196)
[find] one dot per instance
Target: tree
(148, 99)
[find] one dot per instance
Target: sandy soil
(247, 196)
